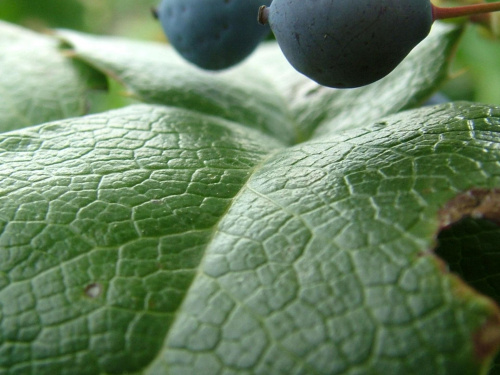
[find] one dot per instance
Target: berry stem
(263, 16)
(440, 13)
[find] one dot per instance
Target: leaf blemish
(487, 338)
(475, 203)
(93, 290)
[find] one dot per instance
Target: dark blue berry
(212, 34)
(351, 43)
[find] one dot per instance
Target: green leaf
(39, 84)
(265, 92)
(104, 220)
(159, 240)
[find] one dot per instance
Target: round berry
(352, 43)
(212, 34)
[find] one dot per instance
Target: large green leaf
(186, 236)
(38, 84)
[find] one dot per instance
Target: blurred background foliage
(476, 68)
(130, 18)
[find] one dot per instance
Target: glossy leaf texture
(194, 233)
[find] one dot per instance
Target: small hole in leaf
(469, 239)
(469, 242)
(471, 249)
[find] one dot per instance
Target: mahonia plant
(245, 220)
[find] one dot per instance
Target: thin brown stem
(263, 16)
(440, 13)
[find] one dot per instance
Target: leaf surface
(103, 222)
(323, 264)
(158, 240)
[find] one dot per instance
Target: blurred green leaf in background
(118, 17)
(477, 64)
(43, 14)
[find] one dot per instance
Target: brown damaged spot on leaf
(475, 203)
(487, 338)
